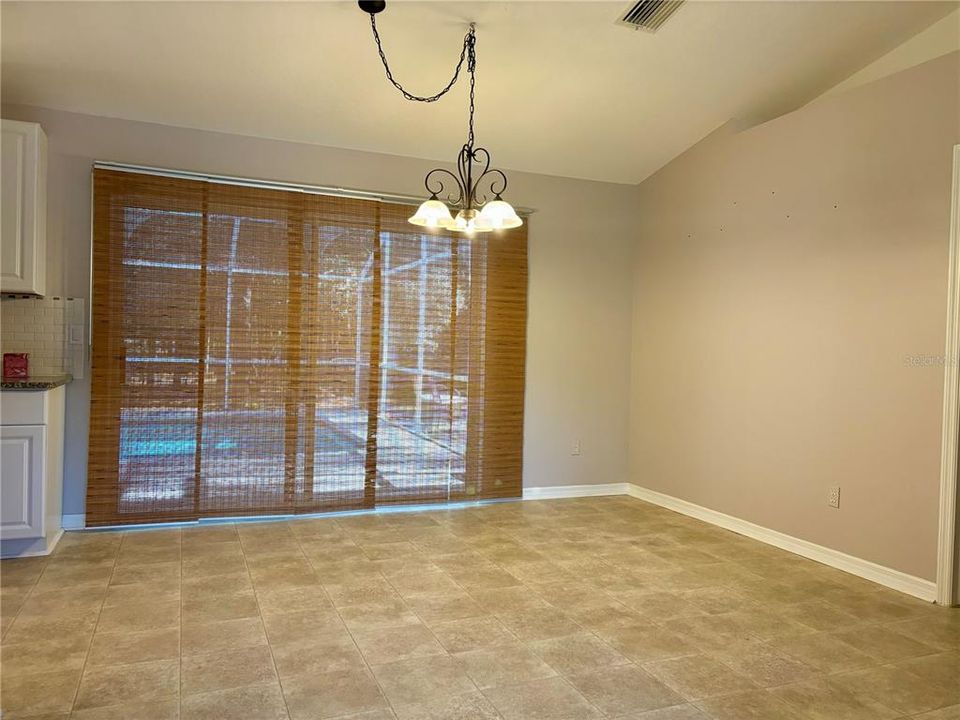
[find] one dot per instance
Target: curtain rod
(269, 184)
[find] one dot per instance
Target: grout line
(96, 625)
(180, 637)
(256, 598)
(346, 627)
(26, 597)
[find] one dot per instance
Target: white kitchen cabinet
(23, 208)
(31, 471)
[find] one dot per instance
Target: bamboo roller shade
(261, 352)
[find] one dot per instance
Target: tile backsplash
(50, 330)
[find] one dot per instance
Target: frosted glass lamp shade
(432, 214)
(499, 215)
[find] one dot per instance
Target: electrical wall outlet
(833, 499)
(575, 447)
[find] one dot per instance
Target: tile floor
(552, 610)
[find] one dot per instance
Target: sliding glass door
(262, 352)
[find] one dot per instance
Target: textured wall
(789, 319)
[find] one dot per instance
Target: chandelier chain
(467, 52)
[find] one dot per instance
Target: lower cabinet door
(21, 481)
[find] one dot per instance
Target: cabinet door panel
(21, 481)
(22, 208)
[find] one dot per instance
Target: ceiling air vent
(650, 14)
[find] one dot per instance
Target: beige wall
(783, 278)
(579, 292)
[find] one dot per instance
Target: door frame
(947, 559)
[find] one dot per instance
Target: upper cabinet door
(23, 208)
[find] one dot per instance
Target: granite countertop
(35, 382)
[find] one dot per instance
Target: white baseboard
(573, 491)
(909, 584)
(29, 547)
(74, 522)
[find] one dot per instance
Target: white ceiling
(561, 89)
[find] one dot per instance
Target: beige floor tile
(156, 710)
(504, 665)
(154, 572)
(117, 648)
(756, 705)
(647, 642)
(419, 680)
(361, 592)
(142, 593)
(138, 682)
(139, 617)
(287, 577)
(949, 713)
(263, 702)
(603, 615)
(658, 606)
(212, 608)
(38, 628)
(942, 669)
(69, 573)
(423, 583)
(550, 699)
(198, 588)
(483, 578)
(21, 572)
(206, 565)
(51, 655)
(332, 652)
(206, 536)
(652, 587)
(33, 694)
(884, 644)
(405, 566)
(823, 652)
(575, 654)
(63, 603)
(390, 613)
(697, 677)
(445, 608)
(625, 689)
(299, 626)
(274, 601)
(710, 632)
(508, 600)
(677, 712)
(226, 669)
(819, 615)
(890, 687)
(472, 634)
(335, 694)
(765, 623)
(764, 665)
(223, 635)
(471, 706)
(531, 625)
(146, 555)
(383, 645)
(940, 631)
(817, 700)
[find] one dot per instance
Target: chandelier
(475, 191)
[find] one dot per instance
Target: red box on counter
(15, 365)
